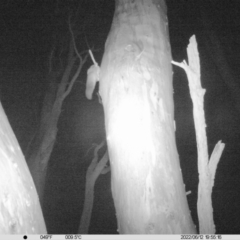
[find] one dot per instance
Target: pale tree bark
(137, 95)
(42, 145)
(20, 208)
(206, 167)
(94, 170)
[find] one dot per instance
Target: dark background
(30, 30)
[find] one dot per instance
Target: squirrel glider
(93, 74)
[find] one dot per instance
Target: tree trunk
(137, 96)
(40, 149)
(42, 146)
(20, 209)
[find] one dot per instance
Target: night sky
(31, 29)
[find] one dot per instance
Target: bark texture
(137, 96)
(20, 211)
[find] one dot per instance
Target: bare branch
(75, 77)
(94, 162)
(89, 149)
(92, 57)
(82, 61)
(73, 40)
(97, 148)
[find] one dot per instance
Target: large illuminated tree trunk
(137, 96)
(20, 211)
